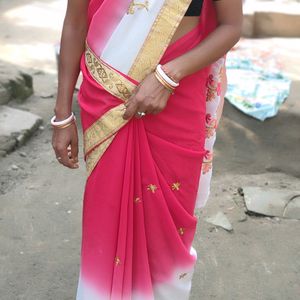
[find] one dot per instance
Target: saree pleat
(138, 220)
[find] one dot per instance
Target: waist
(186, 25)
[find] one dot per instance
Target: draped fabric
(143, 174)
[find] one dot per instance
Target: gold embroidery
(133, 4)
(117, 260)
(94, 156)
(158, 38)
(107, 77)
(137, 200)
(182, 275)
(176, 186)
(104, 127)
(181, 230)
(152, 188)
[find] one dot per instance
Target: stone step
(14, 84)
(271, 19)
(16, 126)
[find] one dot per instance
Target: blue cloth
(253, 89)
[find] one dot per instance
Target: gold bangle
(171, 90)
(165, 82)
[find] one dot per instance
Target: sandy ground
(40, 212)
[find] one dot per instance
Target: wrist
(173, 70)
(62, 113)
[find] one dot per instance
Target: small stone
(220, 220)
(69, 211)
(14, 167)
(56, 203)
(22, 154)
(47, 95)
(240, 191)
(41, 127)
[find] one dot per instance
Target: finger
(65, 160)
(130, 110)
(74, 149)
(62, 156)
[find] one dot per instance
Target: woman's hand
(150, 97)
(65, 145)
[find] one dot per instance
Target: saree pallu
(146, 175)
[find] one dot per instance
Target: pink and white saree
(145, 176)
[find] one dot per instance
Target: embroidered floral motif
(138, 5)
(214, 87)
(211, 125)
(152, 188)
(176, 186)
(181, 230)
(137, 200)
(207, 162)
(117, 260)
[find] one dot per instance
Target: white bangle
(63, 122)
(162, 73)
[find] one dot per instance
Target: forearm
(72, 47)
(218, 43)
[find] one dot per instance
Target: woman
(149, 105)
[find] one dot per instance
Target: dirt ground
(41, 202)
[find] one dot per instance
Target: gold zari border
(159, 38)
(104, 128)
(101, 133)
(107, 77)
(95, 155)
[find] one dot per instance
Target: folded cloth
(256, 83)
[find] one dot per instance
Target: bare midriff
(186, 25)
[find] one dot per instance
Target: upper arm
(229, 12)
(76, 14)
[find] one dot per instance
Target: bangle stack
(64, 123)
(165, 80)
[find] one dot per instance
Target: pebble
(240, 191)
(14, 167)
(220, 220)
(23, 154)
(47, 96)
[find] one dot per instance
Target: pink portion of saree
(140, 196)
